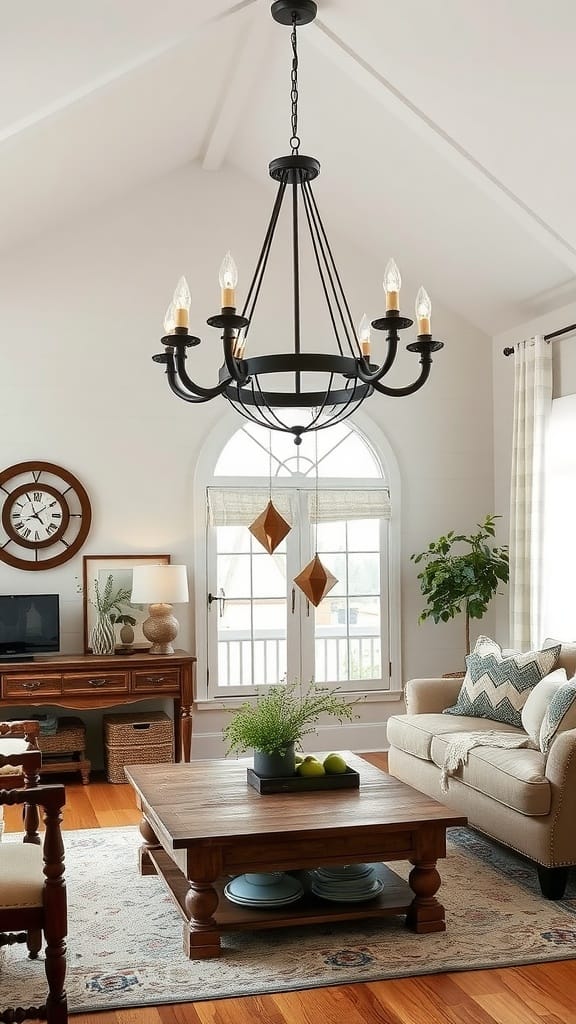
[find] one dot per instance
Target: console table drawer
(155, 680)
(31, 685)
(96, 682)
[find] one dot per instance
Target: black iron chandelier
(317, 388)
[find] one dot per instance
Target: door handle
(221, 598)
(293, 599)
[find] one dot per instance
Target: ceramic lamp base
(161, 628)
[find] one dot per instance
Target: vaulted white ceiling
(446, 130)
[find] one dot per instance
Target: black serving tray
(301, 783)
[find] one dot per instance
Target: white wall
(80, 316)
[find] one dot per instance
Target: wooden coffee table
(202, 822)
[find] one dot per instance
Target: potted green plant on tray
(453, 581)
(277, 720)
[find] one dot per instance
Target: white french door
(262, 629)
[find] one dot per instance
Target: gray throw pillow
(497, 687)
(560, 715)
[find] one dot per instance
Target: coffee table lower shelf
(395, 899)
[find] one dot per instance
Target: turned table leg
(201, 935)
(150, 842)
(425, 913)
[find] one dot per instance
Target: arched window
(255, 626)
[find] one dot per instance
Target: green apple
(334, 764)
(298, 758)
(310, 766)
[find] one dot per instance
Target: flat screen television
(29, 625)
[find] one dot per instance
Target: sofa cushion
(537, 703)
(560, 715)
(515, 778)
(414, 733)
(496, 687)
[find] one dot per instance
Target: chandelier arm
(258, 276)
(178, 379)
(296, 279)
(315, 242)
(383, 389)
(371, 377)
(335, 271)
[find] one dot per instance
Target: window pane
(363, 535)
(234, 575)
(331, 536)
(269, 576)
(363, 574)
(232, 539)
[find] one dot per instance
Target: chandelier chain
(294, 141)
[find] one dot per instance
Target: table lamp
(160, 586)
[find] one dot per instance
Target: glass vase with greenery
(279, 718)
(455, 581)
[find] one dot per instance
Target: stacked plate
(264, 889)
(351, 883)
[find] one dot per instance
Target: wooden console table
(86, 681)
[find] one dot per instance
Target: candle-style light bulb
(364, 335)
(228, 280)
(392, 284)
(170, 320)
(423, 311)
(181, 302)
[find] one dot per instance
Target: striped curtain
(532, 408)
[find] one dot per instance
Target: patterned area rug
(125, 941)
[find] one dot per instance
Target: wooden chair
(17, 737)
(33, 892)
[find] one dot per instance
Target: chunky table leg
(425, 913)
(201, 935)
(150, 843)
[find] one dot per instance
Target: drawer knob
(32, 684)
(155, 679)
(97, 683)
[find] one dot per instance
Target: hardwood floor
(536, 994)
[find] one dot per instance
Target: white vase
(102, 637)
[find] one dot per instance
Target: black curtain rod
(547, 337)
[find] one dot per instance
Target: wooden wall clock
(46, 515)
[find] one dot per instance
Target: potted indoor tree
(276, 721)
(462, 574)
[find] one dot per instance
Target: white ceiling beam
(246, 67)
(223, 10)
(382, 90)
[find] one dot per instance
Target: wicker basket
(136, 739)
(70, 737)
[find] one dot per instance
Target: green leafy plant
(456, 581)
(108, 600)
(282, 715)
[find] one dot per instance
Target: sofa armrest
(430, 696)
(561, 761)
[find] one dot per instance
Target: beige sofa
(521, 797)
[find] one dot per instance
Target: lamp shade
(159, 584)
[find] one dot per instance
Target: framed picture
(95, 571)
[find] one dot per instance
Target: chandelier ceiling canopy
(298, 390)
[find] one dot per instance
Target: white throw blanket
(460, 746)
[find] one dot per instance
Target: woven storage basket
(145, 738)
(71, 737)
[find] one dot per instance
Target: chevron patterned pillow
(497, 686)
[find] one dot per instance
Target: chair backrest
(29, 730)
(42, 908)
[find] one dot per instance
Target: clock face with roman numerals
(46, 515)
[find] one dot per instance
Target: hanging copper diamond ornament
(315, 581)
(269, 528)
